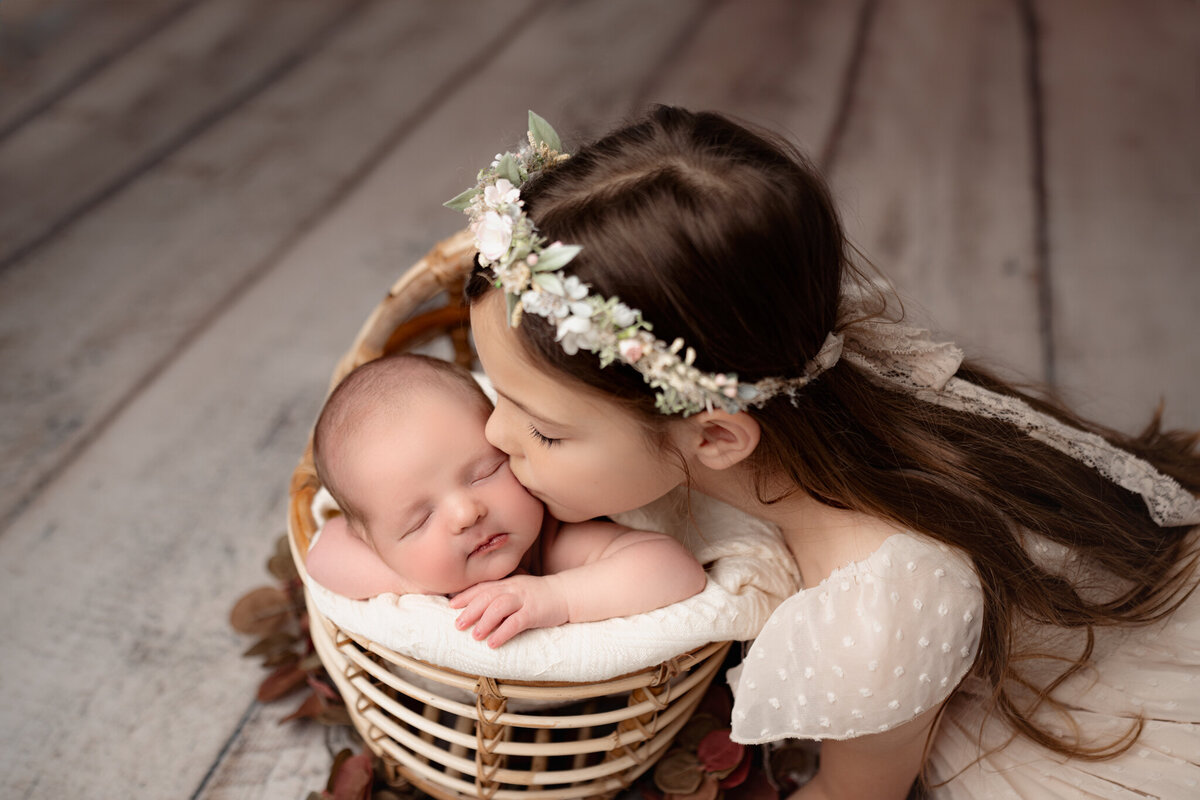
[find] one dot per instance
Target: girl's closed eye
(541, 438)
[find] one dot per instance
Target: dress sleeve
(869, 648)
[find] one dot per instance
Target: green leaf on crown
(460, 201)
(555, 256)
(543, 132)
(507, 168)
(551, 283)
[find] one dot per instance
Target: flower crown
(529, 270)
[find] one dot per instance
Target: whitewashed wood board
(1123, 194)
(934, 171)
(49, 47)
(128, 116)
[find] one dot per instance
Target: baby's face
(441, 506)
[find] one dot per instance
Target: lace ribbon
(909, 358)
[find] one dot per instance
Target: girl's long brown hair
(728, 237)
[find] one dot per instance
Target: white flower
(631, 350)
(576, 333)
(493, 233)
(623, 315)
(500, 193)
(575, 289)
(545, 304)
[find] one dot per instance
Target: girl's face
(580, 453)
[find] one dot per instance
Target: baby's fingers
(472, 609)
(511, 626)
(464, 598)
(496, 617)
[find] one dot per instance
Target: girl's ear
(719, 440)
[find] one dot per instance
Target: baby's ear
(720, 440)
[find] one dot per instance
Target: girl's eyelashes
(542, 439)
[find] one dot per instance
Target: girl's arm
(596, 570)
(881, 766)
(346, 565)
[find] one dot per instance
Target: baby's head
(400, 445)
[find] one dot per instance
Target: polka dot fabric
(869, 648)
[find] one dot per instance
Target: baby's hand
(506, 607)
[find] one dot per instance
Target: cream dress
(881, 640)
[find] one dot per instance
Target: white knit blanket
(750, 572)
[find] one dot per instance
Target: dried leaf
(272, 644)
(323, 688)
(334, 715)
(282, 567)
(736, 776)
(352, 778)
(707, 790)
(279, 659)
(261, 611)
(311, 708)
(281, 683)
(679, 772)
(340, 757)
(717, 752)
(699, 726)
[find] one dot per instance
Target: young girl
(998, 592)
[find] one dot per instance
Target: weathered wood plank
(782, 66)
(391, 212)
(49, 47)
(934, 171)
(273, 759)
(130, 282)
(96, 140)
(1123, 198)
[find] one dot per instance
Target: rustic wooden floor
(200, 201)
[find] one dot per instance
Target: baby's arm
(345, 564)
(595, 570)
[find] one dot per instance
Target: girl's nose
(498, 433)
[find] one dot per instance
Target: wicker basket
(458, 736)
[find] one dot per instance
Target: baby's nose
(466, 510)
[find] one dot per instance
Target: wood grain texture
(934, 171)
(783, 66)
(48, 48)
(89, 145)
(1123, 204)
